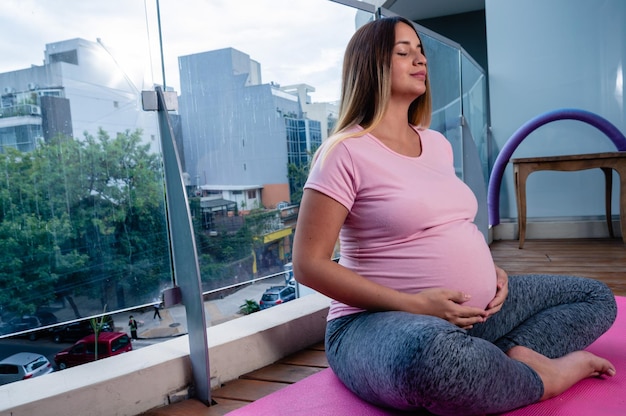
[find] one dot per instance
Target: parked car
(22, 323)
(74, 331)
(83, 351)
(46, 318)
(276, 295)
(23, 365)
(28, 322)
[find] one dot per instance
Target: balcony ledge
(153, 376)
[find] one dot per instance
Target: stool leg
(622, 203)
(520, 190)
(608, 189)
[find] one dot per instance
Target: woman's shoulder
(347, 140)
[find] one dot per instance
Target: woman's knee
(602, 303)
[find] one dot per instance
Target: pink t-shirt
(410, 221)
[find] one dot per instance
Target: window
(120, 343)
(269, 297)
(70, 57)
(8, 369)
(39, 362)
(79, 349)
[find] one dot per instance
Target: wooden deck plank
(308, 357)
(193, 407)
(221, 407)
(602, 259)
(283, 373)
(319, 346)
(247, 390)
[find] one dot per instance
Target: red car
(83, 351)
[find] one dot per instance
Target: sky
(295, 41)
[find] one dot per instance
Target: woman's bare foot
(559, 374)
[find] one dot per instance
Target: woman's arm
(319, 220)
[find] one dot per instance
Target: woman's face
(408, 64)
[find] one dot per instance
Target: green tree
(250, 306)
(218, 253)
(297, 175)
(82, 217)
(33, 256)
(97, 324)
(122, 217)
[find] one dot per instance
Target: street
(152, 330)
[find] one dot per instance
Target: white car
(22, 366)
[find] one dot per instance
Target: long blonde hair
(366, 84)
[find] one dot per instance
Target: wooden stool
(606, 161)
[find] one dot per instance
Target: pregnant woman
(421, 317)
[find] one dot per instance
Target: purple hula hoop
(495, 180)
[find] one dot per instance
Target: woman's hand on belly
(447, 304)
(502, 290)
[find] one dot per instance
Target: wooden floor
(603, 259)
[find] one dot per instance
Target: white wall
(546, 55)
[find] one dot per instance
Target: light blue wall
(545, 55)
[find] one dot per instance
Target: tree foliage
(83, 223)
(81, 218)
(297, 174)
(297, 178)
(249, 306)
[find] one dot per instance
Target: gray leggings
(423, 363)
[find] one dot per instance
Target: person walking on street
(132, 324)
(156, 305)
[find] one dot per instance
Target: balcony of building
(255, 355)
(258, 354)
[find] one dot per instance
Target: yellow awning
(277, 235)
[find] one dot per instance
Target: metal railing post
(183, 247)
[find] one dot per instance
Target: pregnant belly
(457, 263)
(473, 273)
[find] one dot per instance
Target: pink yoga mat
(322, 394)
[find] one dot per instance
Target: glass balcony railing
(83, 219)
(20, 110)
(460, 112)
(459, 90)
(254, 90)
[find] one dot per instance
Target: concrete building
(79, 88)
(239, 134)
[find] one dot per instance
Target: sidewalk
(173, 320)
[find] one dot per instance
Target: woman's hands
(502, 290)
(447, 304)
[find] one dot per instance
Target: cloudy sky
(295, 41)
